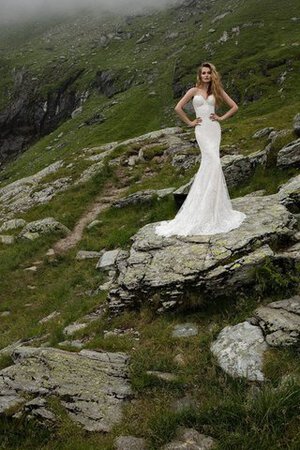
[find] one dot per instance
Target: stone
(12, 224)
(90, 385)
(142, 197)
(93, 224)
(22, 194)
(129, 443)
(74, 327)
(122, 332)
(280, 321)
(51, 316)
(239, 351)
(107, 260)
(30, 236)
(289, 194)
(85, 254)
(76, 112)
(165, 272)
(43, 226)
(185, 330)
(6, 239)
(289, 155)
(262, 132)
(165, 376)
(190, 439)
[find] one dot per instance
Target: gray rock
(51, 316)
(86, 254)
(165, 376)
(130, 443)
(108, 259)
(190, 439)
(22, 194)
(90, 385)
(12, 224)
(30, 236)
(142, 197)
(280, 321)
(262, 132)
(166, 272)
(289, 194)
(185, 161)
(93, 224)
(73, 328)
(43, 226)
(76, 112)
(238, 168)
(185, 330)
(289, 155)
(6, 239)
(239, 350)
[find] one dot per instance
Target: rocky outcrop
(289, 155)
(142, 197)
(172, 272)
(289, 194)
(31, 115)
(110, 82)
(280, 322)
(27, 192)
(239, 350)
(43, 226)
(91, 385)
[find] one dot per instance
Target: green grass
(238, 414)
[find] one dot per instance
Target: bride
(207, 208)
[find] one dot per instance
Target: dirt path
(102, 202)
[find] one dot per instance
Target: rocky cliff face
(30, 115)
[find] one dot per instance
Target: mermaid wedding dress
(207, 208)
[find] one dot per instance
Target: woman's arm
(233, 106)
(185, 99)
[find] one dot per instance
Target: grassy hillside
(252, 63)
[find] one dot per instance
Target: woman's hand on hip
(195, 122)
(215, 117)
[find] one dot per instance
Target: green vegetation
(238, 414)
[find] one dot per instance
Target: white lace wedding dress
(207, 208)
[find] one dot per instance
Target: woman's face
(206, 74)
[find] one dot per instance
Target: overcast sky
(16, 10)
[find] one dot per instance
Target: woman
(207, 208)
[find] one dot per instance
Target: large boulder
(27, 192)
(168, 272)
(289, 155)
(239, 350)
(280, 322)
(43, 226)
(91, 385)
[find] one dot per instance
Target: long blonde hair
(215, 84)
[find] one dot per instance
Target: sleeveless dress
(207, 208)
